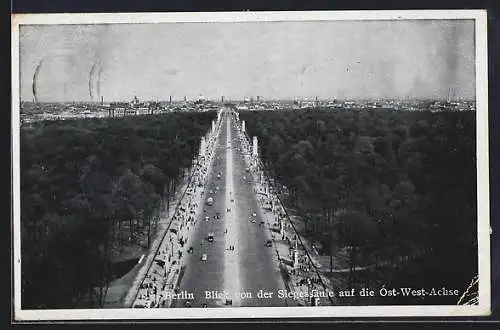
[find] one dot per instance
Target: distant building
(201, 99)
(119, 105)
(135, 102)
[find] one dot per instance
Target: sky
(273, 60)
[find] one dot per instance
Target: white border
(483, 309)
(231, 17)
(482, 161)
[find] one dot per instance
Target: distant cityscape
(40, 111)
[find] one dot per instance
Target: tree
(130, 198)
(357, 231)
(274, 150)
(153, 175)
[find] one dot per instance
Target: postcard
(264, 165)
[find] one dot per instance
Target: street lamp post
(311, 299)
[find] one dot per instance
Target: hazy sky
(344, 59)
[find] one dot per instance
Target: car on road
(269, 243)
(204, 257)
(210, 201)
(254, 214)
(207, 218)
(210, 237)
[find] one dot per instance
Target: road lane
(261, 272)
(231, 219)
(201, 276)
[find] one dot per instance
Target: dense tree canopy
(405, 180)
(89, 188)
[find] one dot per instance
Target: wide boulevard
(233, 267)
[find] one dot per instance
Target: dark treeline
(91, 188)
(392, 189)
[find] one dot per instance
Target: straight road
(238, 264)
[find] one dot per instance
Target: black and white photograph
(250, 165)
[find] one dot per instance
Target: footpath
(158, 279)
(119, 292)
(297, 258)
